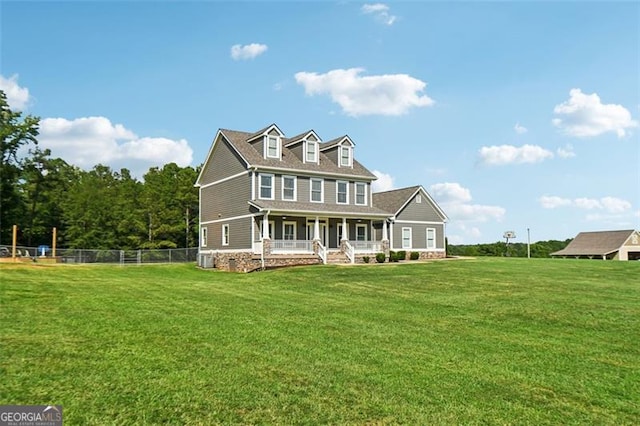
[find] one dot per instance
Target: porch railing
(349, 251)
(366, 246)
(291, 246)
(322, 252)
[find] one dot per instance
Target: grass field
(486, 341)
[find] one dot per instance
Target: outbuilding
(606, 245)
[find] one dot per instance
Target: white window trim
(226, 236)
(339, 232)
(295, 231)
(434, 238)
(362, 226)
(266, 146)
(273, 190)
(272, 229)
(307, 144)
(364, 186)
(295, 188)
(419, 199)
(350, 159)
(203, 237)
(338, 182)
(410, 238)
(321, 190)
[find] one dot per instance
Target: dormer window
(273, 147)
(345, 156)
(311, 152)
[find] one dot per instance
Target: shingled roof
(600, 243)
(318, 208)
(239, 142)
(392, 201)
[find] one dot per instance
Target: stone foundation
(248, 262)
(426, 255)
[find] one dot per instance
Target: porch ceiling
(300, 208)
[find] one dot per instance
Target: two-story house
(267, 200)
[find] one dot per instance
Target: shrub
(380, 257)
(393, 256)
(366, 259)
(402, 255)
(414, 255)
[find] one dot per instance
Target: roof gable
(217, 140)
(269, 130)
(309, 135)
(396, 200)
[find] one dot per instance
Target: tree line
(97, 209)
(538, 249)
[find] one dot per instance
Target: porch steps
(337, 258)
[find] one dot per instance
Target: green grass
(487, 341)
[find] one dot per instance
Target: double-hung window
(361, 193)
(266, 186)
(431, 238)
(342, 192)
(225, 234)
(317, 190)
(311, 152)
(203, 237)
(345, 156)
(289, 188)
(273, 147)
(406, 238)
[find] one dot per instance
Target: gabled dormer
(305, 146)
(340, 151)
(268, 142)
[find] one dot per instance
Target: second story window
(273, 147)
(317, 191)
(311, 152)
(345, 156)
(342, 192)
(361, 193)
(289, 188)
(266, 186)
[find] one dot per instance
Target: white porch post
(345, 230)
(265, 226)
(384, 230)
(316, 229)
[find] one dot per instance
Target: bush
(393, 256)
(414, 255)
(380, 257)
(366, 259)
(402, 255)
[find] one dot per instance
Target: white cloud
(566, 152)
(586, 116)
(509, 154)
(17, 97)
(455, 201)
(607, 204)
(388, 94)
(450, 192)
(380, 11)
(520, 129)
(248, 51)
(383, 183)
(551, 202)
(88, 141)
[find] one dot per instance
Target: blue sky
(513, 115)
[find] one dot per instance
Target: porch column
(384, 230)
(316, 229)
(265, 226)
(345, 230)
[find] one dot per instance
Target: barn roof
(598, 243)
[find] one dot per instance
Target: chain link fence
(122, 257)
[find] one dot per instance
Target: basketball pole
(13, 244)
(53, 243)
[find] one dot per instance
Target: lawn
(484, 341)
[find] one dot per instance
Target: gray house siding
(297, 150)
(424, 211)
(225, 199)
(239, 235)
(332, 154)
(418, 235)
(223, 162)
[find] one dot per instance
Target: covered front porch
(281, 234)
